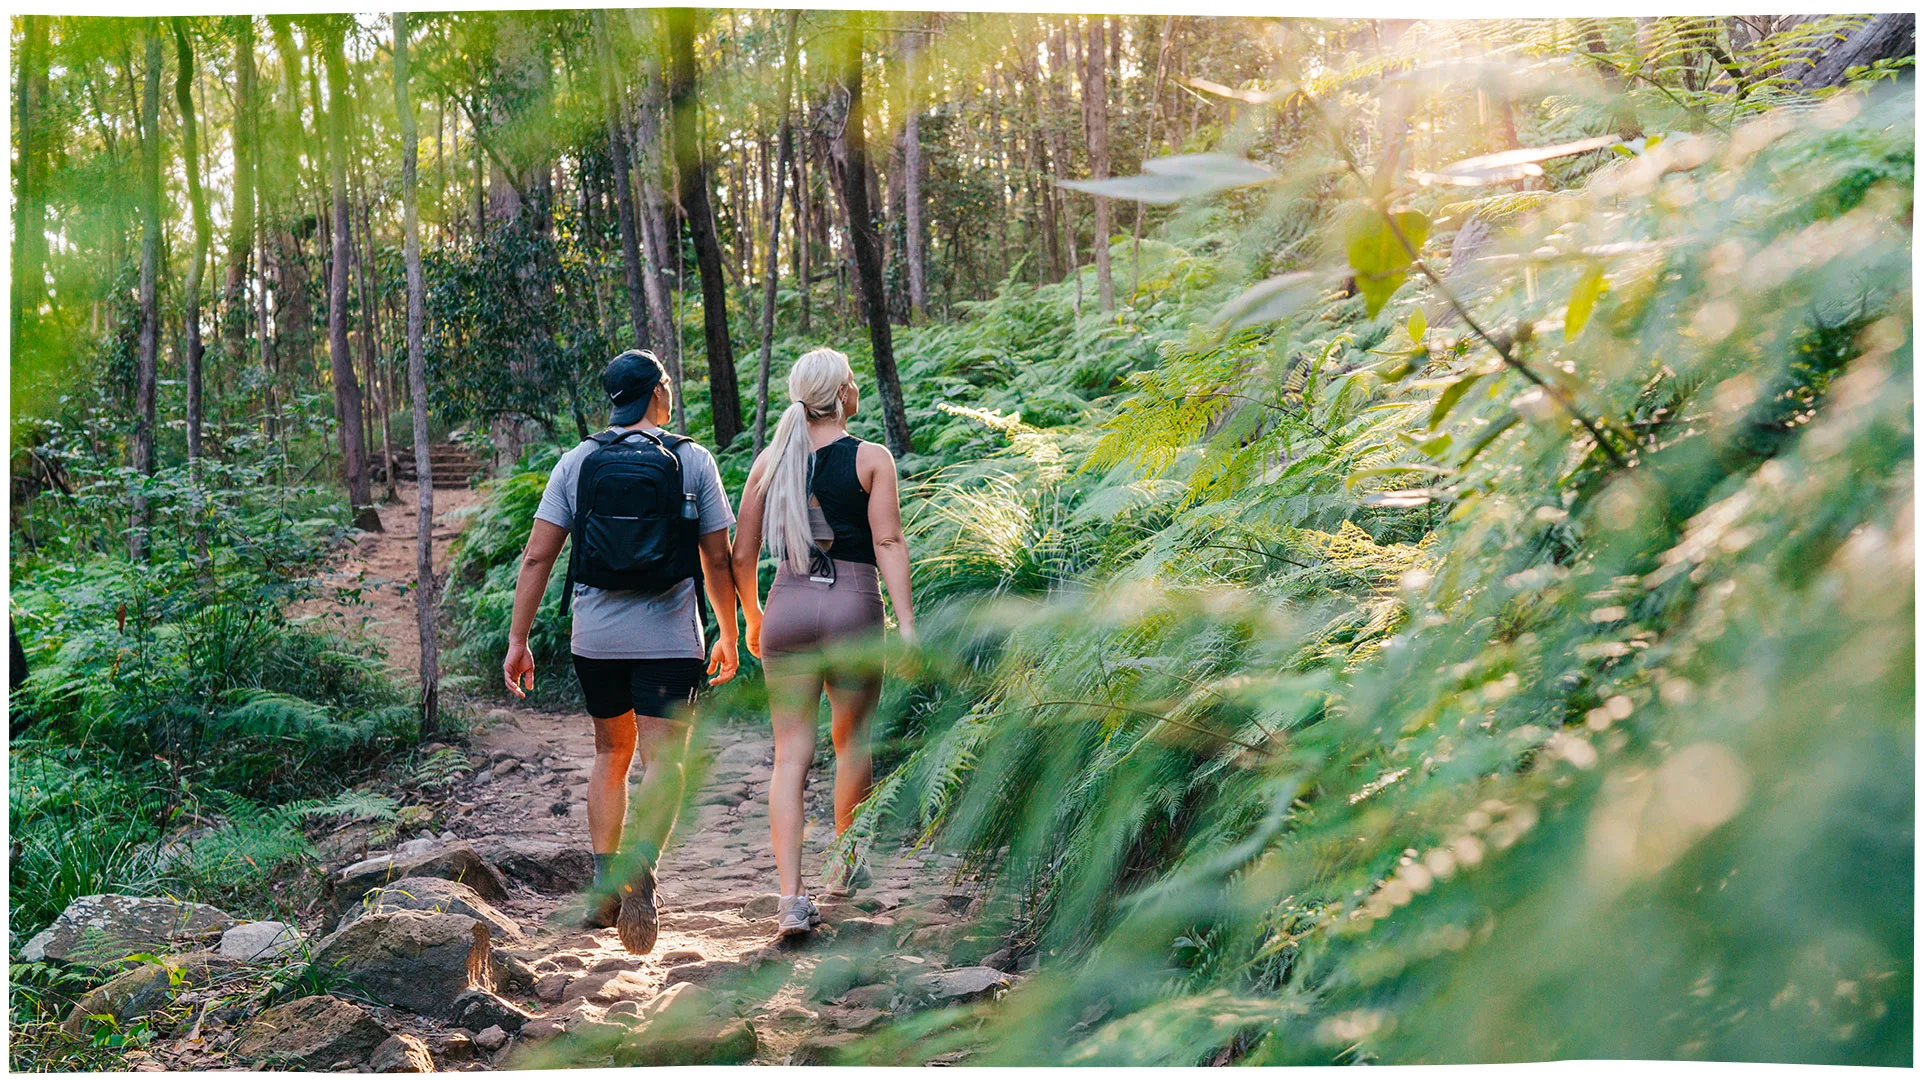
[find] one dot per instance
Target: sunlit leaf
(1251, 97)
(1275, 298)
(1580, 302)
(1378, 257)
(1417, 324)
(1182, 176)
(1450, 397)
(1507, 166)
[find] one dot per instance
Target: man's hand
(725, 660)
(519, 667)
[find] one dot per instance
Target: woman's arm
(882, 481)
(746, 551)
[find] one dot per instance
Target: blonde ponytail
(815, 384)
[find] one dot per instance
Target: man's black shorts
(647, 687)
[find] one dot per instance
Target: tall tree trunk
(1096, 94)
(760, 399)
(30, 236)
(1146, 147)
(803, 236)
(425, 593)
(147, 360)
(623, 185)
(660, 248)
(915, 170)
(866, 250)
(202, 231)
(690, 165)
(346, 384)
(240, 221)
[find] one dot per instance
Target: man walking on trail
(649, 518)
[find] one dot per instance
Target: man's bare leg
(613, 749)
(662, 744)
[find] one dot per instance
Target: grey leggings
(805, 614)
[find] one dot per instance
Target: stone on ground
(490, 1038)
(264, 940)
(401, 1053)
(957, 986)
(312, 1033)
(417, 960)
(133, 994)
(98, 931)
(455, 862)
(478, 1009)
(548, 866)
(438, 894)
(709, 1041)
(822, 1049)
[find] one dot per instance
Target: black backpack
(635, 526)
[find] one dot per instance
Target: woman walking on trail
(827, 505)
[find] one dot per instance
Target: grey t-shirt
(613, 624)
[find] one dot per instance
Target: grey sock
(603, 869)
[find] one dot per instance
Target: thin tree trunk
(690, 165)
(1096, 96)
(623, 186)
(30, 237)
(426, 590)
(346, 384)
(866, 251)
(916, 246)
(658, 251)
(1146, 148)
(773, 235)
(148, 357)
(803, 236)
(240, 221)
(202, 232)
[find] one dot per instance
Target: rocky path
(512, 829)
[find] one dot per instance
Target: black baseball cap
(629, 381)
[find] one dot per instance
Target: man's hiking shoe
(797, 916)
(601, 910)
(638, 920)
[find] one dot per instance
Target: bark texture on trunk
(1096, 93)
(240, 221)
(426, 591)
(623, 187)
(771, 305)
(866, 251)
(1883, 38)
(147, 359)
(915, 171)
(691, 167)
(30, 237)
(202, 232)
(346, 384)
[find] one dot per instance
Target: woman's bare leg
(852, 756)
(795, 700)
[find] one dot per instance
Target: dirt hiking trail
(521, 806)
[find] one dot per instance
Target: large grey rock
(401, 1053)
(549, 866)
(490, 1039)
(437, 894)
(101, 930)
(822, 1049)
(133, 994)
(454, 862)
(313, 1033)
(264, 940)
(956, 986)
(417, 960)
(477, 1010)
(686, 1025)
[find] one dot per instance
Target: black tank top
(843, 502)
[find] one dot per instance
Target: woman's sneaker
(638, 921)
(851, 881)
(797, 916)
